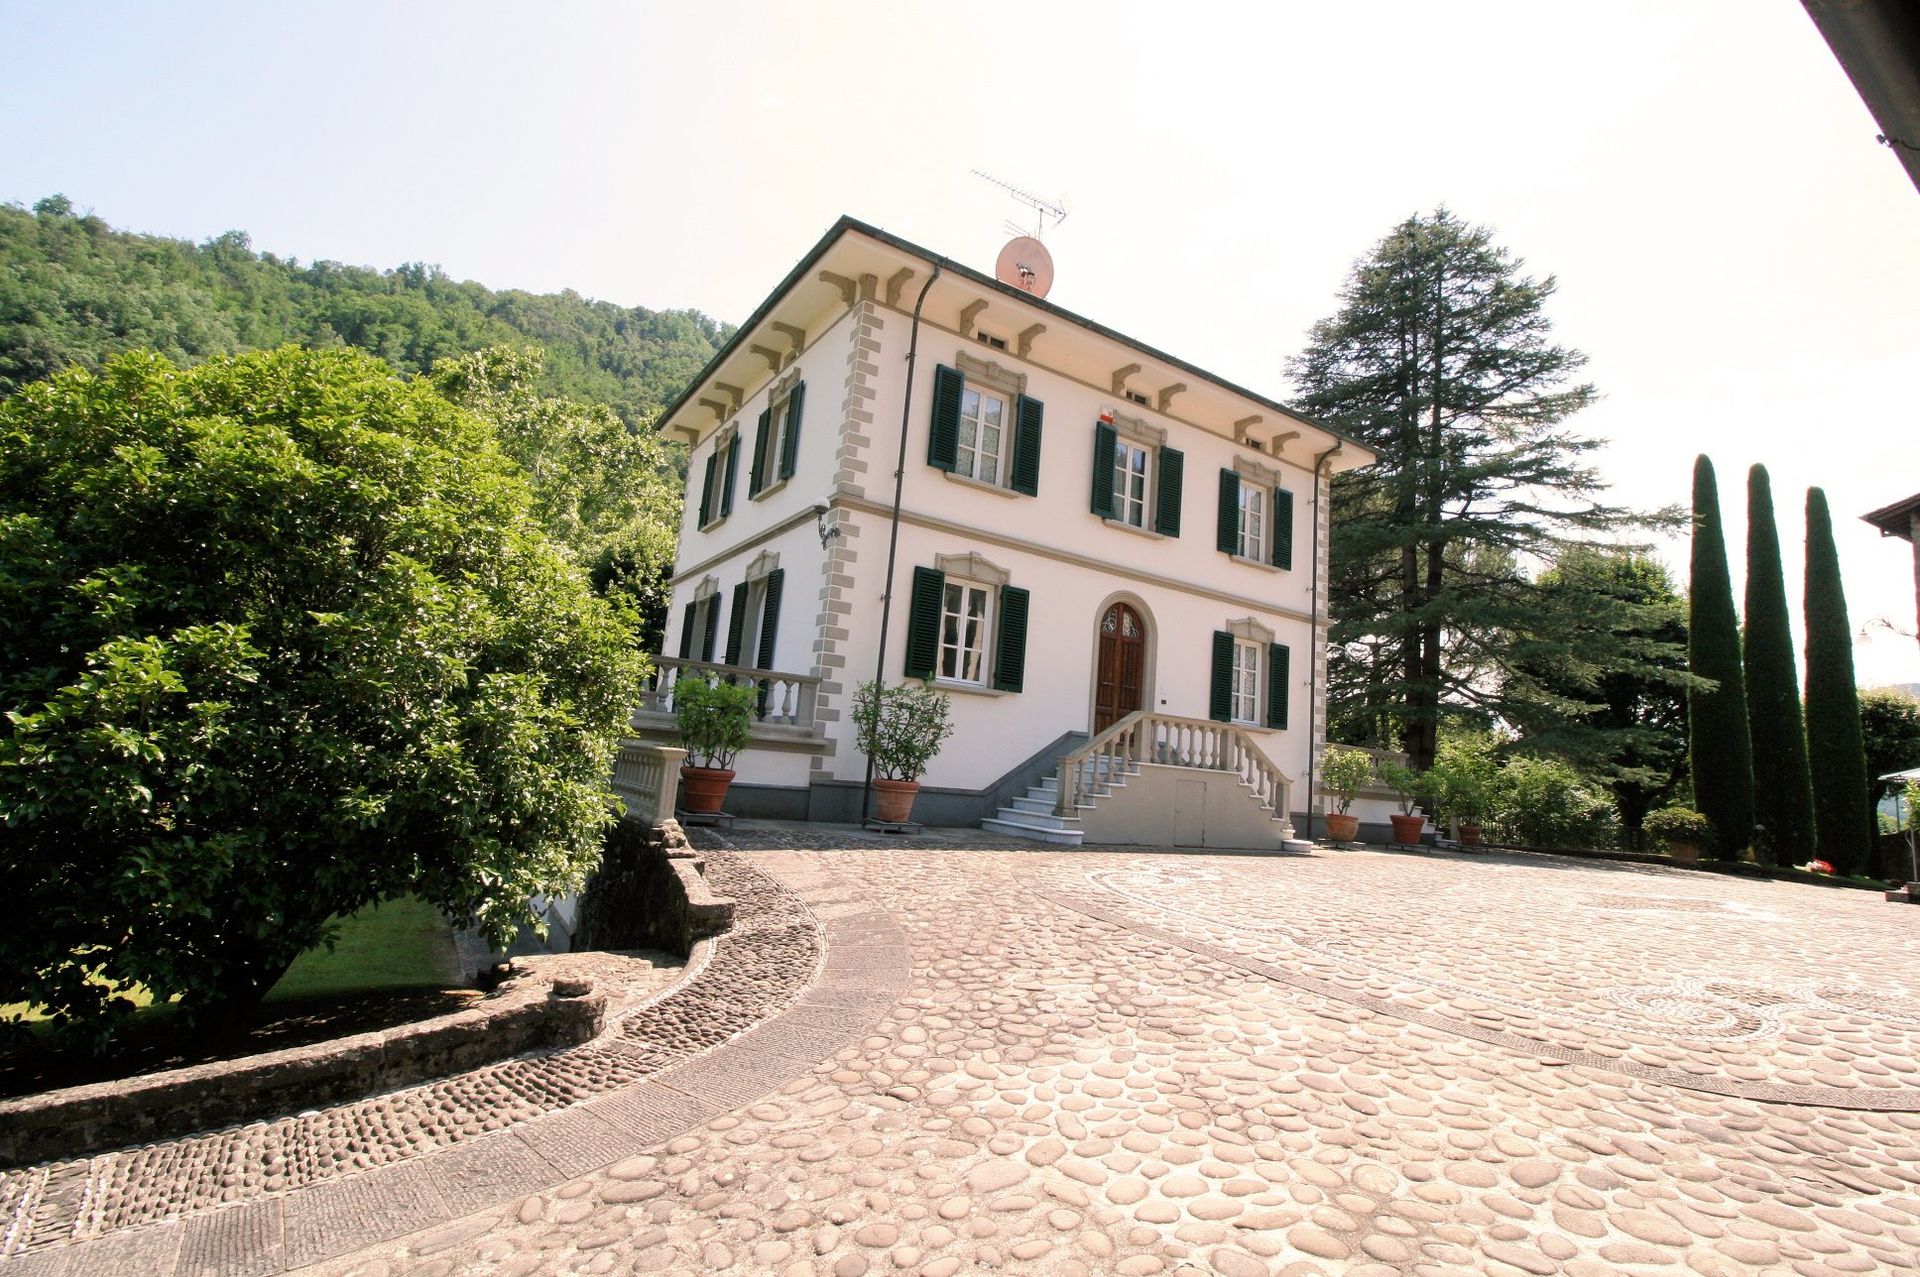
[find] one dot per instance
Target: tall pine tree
(1782, 787)
(1441, 359)
(1717, 739)
(1836, 752)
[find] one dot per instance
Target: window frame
(1249, 663)
(1130, 508)
(723, 473)
(984, 632)
(1253, 531)
(1002, 461)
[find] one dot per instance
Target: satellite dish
(1026, 264)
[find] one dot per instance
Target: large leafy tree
(608, 494)
(1719, 745)
(1600, 677)
(1835, 749)
(280, 637)
(1441, 359)
(1782, 785)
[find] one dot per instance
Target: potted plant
(714, 720)
(1406, 783)
(1342, 772)
(1685, 832)
(899, 727)
(1461, 783)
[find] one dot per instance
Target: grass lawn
(402, 944)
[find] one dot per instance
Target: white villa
(1112, 560)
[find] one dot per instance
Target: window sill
(768, 491)
(1124, 526)
(1258, 729)
(711, 524)
(965, 689)
(1256, 563)
(964, 481)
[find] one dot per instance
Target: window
(1130, 483)
(776, 440)
(1246, 681)
(1256, 515)
(982, 421)
(966, 626)
(963, 632)
(985, 428)
(700, 623)
(1253, 533)
(755, 619)
(1252, 676)
(716, 488)
(1136, 477)
(988, 339)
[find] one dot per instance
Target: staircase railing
(1164, 739)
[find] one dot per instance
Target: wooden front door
(1123, 660)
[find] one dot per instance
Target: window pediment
(1257, 472)
(972, 567)
(764, 564)
(708, 588)
(1248, 628)
(991, 375)
(1139, 430)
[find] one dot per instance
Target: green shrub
(1342, 771)
(900, 727)
(715, 720)
(1542, 802)
(279, 639)
(1672, 825)
(1464, 777)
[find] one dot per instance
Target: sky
(1735, 253)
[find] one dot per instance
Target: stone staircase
(1033, 817)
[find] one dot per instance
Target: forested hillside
(74, 291)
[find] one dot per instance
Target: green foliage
(280, 638)
(1599, 677)
(609, 495)
(1407, 783)
(1465, 776)
(1720, 748)
(74, 293)
(1782, 783)
(1836, 751)
(900, 727)
(1542, 802)
(1440, 358)
(715, 720)
(1342, 772)
(1890, 733)
(1672, 825)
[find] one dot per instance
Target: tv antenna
(1042, 208)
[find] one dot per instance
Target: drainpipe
(1313, 609)
(893, 529)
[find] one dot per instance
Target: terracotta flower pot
(1342, 826)
(703, 789)
(1469, 834)
(893, 799)
(1406, 829)
(1682, 853)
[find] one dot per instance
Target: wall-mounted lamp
(820, 522)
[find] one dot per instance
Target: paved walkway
(938, 1056)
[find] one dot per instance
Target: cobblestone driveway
(1350, 1063)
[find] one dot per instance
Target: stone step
(1045, 818)
(1035, 833)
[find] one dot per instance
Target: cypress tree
(1782, 787)
(1835, 748)
(1718, 745)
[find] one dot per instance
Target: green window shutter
(790, 446)
(1166, 511)
(770, 618)
(1220, 689)
(706, 491)
(757, 467)
(1106, 442)
(1229, 534)
(686, 631)
(1283, 529)
(1027, 414)
(726, 480)
(713, 628)
(1010, 652)
(943, 438)
(1279, 672)
(736, 623)
(923, 622)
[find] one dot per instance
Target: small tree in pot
(1406, 783)
(1342, 772)
(714, 721)
(1685, 833)
(1462, 782)
(901, 728)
